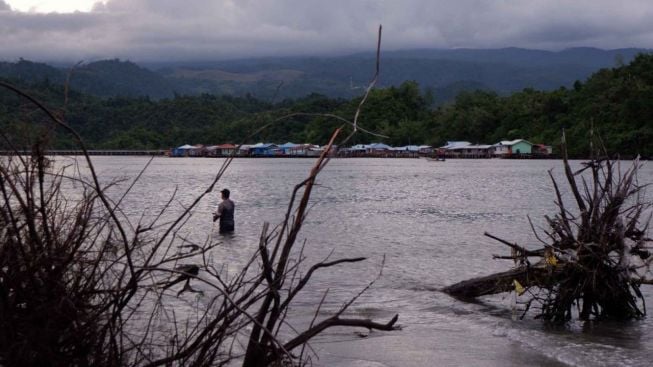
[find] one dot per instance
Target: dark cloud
(214, 29)
(16, 22)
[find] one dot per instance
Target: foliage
(613, 101)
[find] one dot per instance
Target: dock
(125, 152)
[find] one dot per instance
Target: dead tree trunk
(596, 252)
(496, 283)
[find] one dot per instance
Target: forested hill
(107, 78)
(444, 72)
(616, 101)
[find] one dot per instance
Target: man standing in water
(225, 213)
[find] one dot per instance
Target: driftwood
(595, 253)
(496, 283)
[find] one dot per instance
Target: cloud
(148, 30)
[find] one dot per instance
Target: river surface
(426, 219)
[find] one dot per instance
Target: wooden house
(288, 148)
(301, 150)
(542, 150)
(226, 150)
(472, 151)
(196, 151)
(450, 149)
(507, 148)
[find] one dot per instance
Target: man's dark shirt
(226, 213)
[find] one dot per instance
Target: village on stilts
(518, 148)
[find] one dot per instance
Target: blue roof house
(262, 150)
(181, 151)
(376, 147)
(288, 148)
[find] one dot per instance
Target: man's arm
(217, 214)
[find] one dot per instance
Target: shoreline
(165, 153)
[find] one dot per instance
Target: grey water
(420, 225)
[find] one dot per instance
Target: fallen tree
(594, 255)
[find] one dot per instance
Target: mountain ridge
(441, 71)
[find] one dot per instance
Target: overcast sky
(175, 30)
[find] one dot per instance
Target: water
(426, 221)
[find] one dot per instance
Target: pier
(158, 152)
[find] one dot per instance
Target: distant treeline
(617, 102)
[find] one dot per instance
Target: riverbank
(166, 153)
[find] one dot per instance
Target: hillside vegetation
(444, 72)
(616, 101)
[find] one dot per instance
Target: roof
(456, 144)
(472, 146)
(186, 146)
(512, 142)
(226, 146)
(359, 147)
(407, 148)
(263, 145)
(288, 145)
(378, 146)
